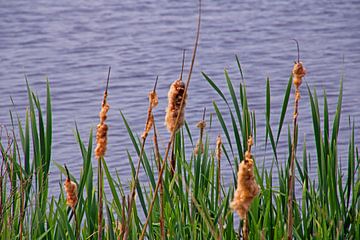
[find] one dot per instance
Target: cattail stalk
(173, 133)
(218, 157)
(101, 140)
(173, 111)
(298, 73)
(199, 149)
(72, 199)
(153, 102)
(247, 188)
(157, 157)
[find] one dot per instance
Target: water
(73, 43)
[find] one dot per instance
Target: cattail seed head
(201, 124)
(153, 102)
(102, 129)
(153, 99)
(199, 145)
(247, 187)
(175, 96)
(298, 72)
(218, 147)
(71, 193)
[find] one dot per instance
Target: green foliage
(195, 203)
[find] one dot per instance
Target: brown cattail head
(199, 145)
(298, 72)
(175, 96)
(153, 99)
(71, 193)
(218, 147)
(153, 102)
(201, 125)
(102, 129)
(247, 187)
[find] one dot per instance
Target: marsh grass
(194, 204)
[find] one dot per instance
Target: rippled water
(73, 42)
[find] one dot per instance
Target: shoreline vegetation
(185, 196)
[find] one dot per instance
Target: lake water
(73, 43)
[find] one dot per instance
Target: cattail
(168, 120)
(71, 191)
(218, 148)
(218, 156)
(101, 142)
(199, 145)
(153, 99)
(153, 102)
(175, 96)
(298, 73)
(102, 128)
(247, 187)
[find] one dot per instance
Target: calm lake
(73, 43)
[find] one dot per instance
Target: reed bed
(189, 200)
(196, 202)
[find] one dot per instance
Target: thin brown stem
(245, 229)
(107, 81)
(77, 226)
(298, 50)
(290, 219)
(182, 65)
(173, 133)
(100, 158)
(218, 156)
(157, 156)
(132, 194)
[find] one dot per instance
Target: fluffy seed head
(71, 193)
(153, 99)
(153, 102)
(218, 147)
(201, 124)
(175, 96)
(247, 187)
(298, 72)
(102, 129)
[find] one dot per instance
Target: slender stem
(157, 156)
(132, 195)
(77, 226)
(245, 229)
(100, 172)
(182, 65)
(219, 188)
(298, 50)
(123, 220)
(172, 160)
(100, 197)
(107, 81)
(173, 133)
(290, 219)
